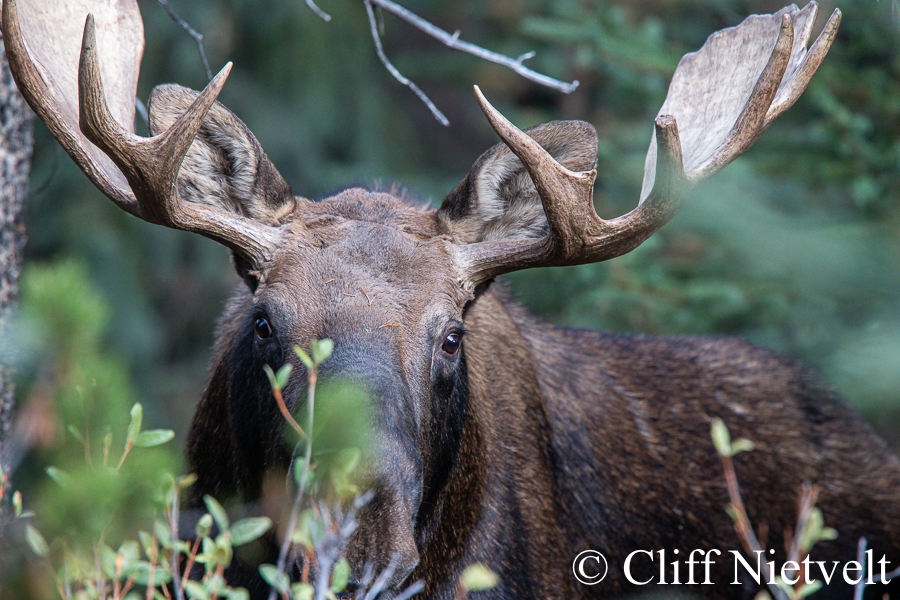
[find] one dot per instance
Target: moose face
(385, 294)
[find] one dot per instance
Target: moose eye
(262, 328)
(452, 343)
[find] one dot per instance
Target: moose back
(497, 438)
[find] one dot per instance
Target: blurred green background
(795, 246)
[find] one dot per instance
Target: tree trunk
(16, 139)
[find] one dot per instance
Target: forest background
(795, 246)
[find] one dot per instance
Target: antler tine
(577, 234)
(151, 165)
(811, 62)
(567, 196)
(751, 123)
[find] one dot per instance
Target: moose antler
(724, 97)
(141, 177)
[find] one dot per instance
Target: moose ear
(225, 167)
(497, 199)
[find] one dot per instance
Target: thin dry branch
(862, 560)
(195, 35)
(742, 524)
(452, 41)
(379, 49)
(315, 8)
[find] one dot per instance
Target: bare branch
(452, 41)
(195, 35)
(862, 559)
(373, 23)
(315, 8)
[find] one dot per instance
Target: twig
(173, 532)
(808, 495)
(298, 501)
(322, 14)
(742, 525)
(197, 36)
(141, 110)
(279, 399)
(861, 558)
(452, 41)
(376, 37)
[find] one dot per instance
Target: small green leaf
(237, 594)
(130, 552)
(741, 445)
(36, 541)
(342, 469)
(304, 357)
(721, 438)
(275, 578)
(153, 437)
(809, 588)
(270, 374)
(207, 553)
(218, 513)
(321, 350)
(108, 560)
(284, 373)
(17, 503)
(309, 527)
(59, 476)
(186, 481)
(137, 416)
(477, 577)
(163, 534)
(340, 575)
(142, 570)
(223, 551)
(809, 535)
(204, 524)
(247, 530)
(146, 542)
(76, 433)
(733, 512)
(308, 480)
(302, 591)
(195, 590)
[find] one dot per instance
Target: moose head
(479, 448)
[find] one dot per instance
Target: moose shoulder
(496, 438)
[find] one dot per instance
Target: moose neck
(501, 489)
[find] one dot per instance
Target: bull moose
(499, 438)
